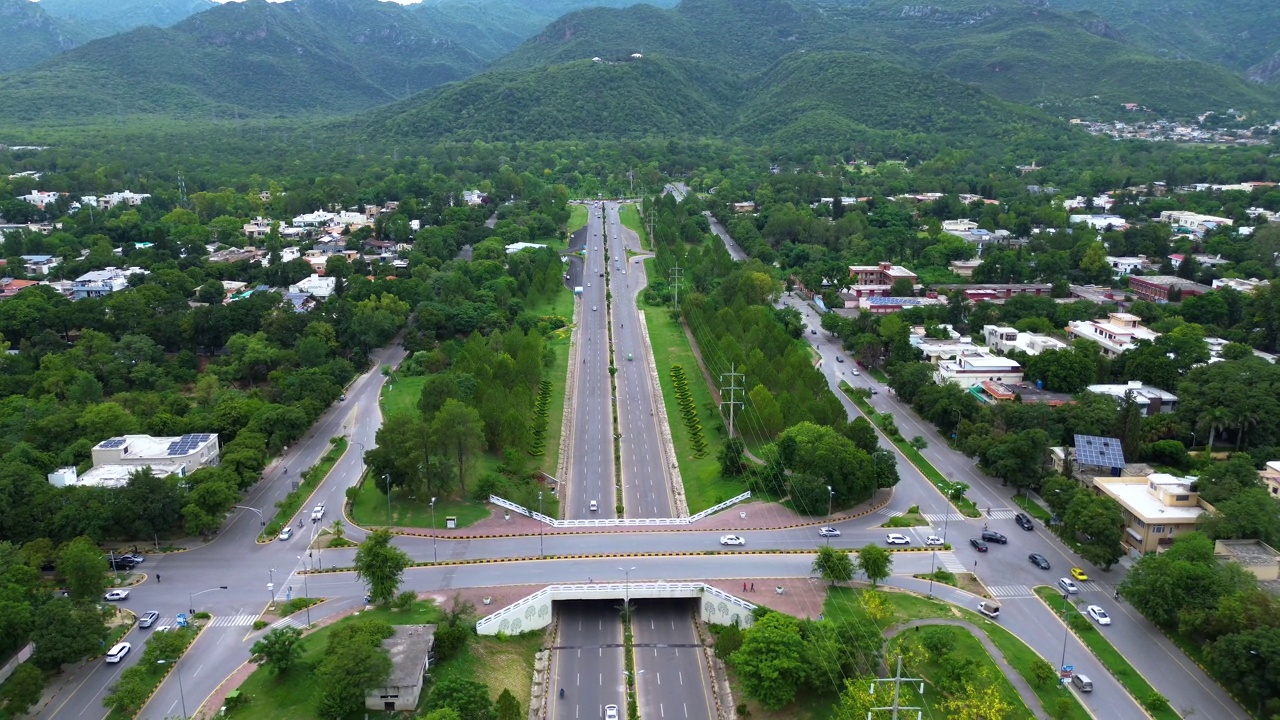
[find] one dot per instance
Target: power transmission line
(897, 681)
(675, 274)
(733, 388)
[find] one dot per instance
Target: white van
(990, 608)
(1082, 682)
(118, 651)
(594, 506)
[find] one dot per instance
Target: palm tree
(1214, 418)
(337, 529)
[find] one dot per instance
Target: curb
(169, 667)
(225, 680)
(314, 490)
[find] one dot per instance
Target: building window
(1182, 498)
(1139, 523)
(1157, 529)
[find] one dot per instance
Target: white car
(285, 534)
(610, 712)
(732, 540)
(317, 512)
(897, 539)
(116, 595)
(1099, 615)
(855, 371)
(1068, 586)
(118, 651)
(934, 540)
(828, 532)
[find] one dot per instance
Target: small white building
(410, 648)
(116, 459)
(97, 283)
(970, 370)
(514, 248)
(40, 198)
(962, 225)
(1115, 335)
(1152, 400)
(1100, 222)
(473, 197)
(1247, 287)
(1121, 266)
(317, 286)
(1004, 339)
(319, 218)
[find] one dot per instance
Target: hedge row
(538, 440)
(689, 410)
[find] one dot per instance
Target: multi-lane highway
(588, 661)
(672, 680)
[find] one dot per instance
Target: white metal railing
(616, 522)
(634, 590)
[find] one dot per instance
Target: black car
(1023, 521)
(121, 562)
(981, 546)
(995, 537)
(1039, 561)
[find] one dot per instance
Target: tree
(460, 429)
(875, 562)
(507, 707)
(130, 691)
(1250, 661)
(381, 565)
(1018, 458)
(354, 663)
(1100, 520)
(211, 292)
(856, 701)
(980, 699)
(902, 287)
(84, 568)
(66, 631)
(728, 640)
(469, 698)
(279, 649)
(732, 458)
(442, 714)
(832, 565)
(1043, 672)
(771, 662)
(21, 691)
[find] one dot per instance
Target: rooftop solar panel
(112, 443)
(1099, 451)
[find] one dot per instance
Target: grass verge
(1033, 508)
(964, 647)
(963, 504)
(144, 677)
(370, 509)
(557, 374)
(630, 217)
(311, 478)
(704, 486)
(577, 218)
(1111, 659)
(401, 394)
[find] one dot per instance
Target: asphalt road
(735, 251)
(645, 475)
(672, 679)
(591, 466)
(587, 661)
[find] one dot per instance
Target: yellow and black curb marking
(168, 667)
(132, 624)
(657, 529)
(267, 607)
(607, 556)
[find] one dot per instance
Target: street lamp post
(1258, 655)
(1066, 630)
(181, 693)
(831, 496)
(387, 480)
(191, 603)
(933, 561)
(541, 526)
(261, 519)
(307, 592)
(626, 587)
(435, 556)
(271, 593)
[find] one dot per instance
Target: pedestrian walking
(157, 577)
(753, 587)
(744, 587)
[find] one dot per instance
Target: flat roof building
(1271, 476)
(1115, 335)
(969, 370)
(1156, 509)
(1255, 556)
(877, 280)
(1005, 339)
(1156, 288)
(410, 649)
(1151, 400)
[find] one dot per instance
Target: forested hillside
(30, 34)
(95, 18)
(250, 59)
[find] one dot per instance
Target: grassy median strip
(1056, 699)
(631, 218)
(311, 478)
(926, 468)
(137, 684)
(1111, 659)
(704, 486)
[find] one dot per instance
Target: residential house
(1115, 335)
(1121, 266)
(877, 305)
(319, 287)
(98, 283)
(232, 255)
(259, 228)
(992, 392)
(1194, 223)
(115, 459)
(1217, 345)
(1156, 509)
(1100, 222)
(514, 248)
(1255, 556)
(473, 197)
(317, 219)
(411, 650)
(1248, 287)
(131, 199)
(958, 226)
(996, 292)
(744, 207)
(300, 301)
(12, 286)
(40, 264)
(1102, 202)
(1150, 400)
(970, 370)
(40, 198)
(1005, 339)
(877, 280)
(1271, 476)
(1156, 288)
(965, 268)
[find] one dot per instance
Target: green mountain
(251, 59)
(1020, 51)
(1240, 35)
(30, 35)
(837, 96)
(94, 19)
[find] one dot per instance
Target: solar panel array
(878, 300)
(187, 443)
(1099, 451)
(112, 443)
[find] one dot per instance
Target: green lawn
(630, 217)
(293, 695)
(968, 647)
(505, 663)
(558, 373)
(1032, 507)
(704, 487)
(577, 218)
(401, 394)
(370, 509)
(848, 605)
(1093, 638)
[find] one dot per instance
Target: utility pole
(676, 273)
(897, 681)
(732, 389)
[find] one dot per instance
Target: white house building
(317, 286)
(1152, 400)
(970, 370)
(1115, 335)
(1004, 339)
(98, 283)
(115, 459)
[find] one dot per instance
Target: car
(875, 391)
(148, 619)
(594, 506)
(135, 558)
(839, 359)
(995, 537)
(855, 371)
(593, 308)
(1099, 615)
(164, 628)
(118, 651)
(1039, 561)
(897, 539)
(828, 532)
(1079, 574)
(1024, 522)
(732, 540)
(934, 540)
(588, 284)
(1068, 586)
(610, 712)
(342, 398)
(116, 595)
(285, 534)
(601, 273)
(317, 512)
(978, 544)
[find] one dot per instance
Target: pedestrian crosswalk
(1092, 586)
(945, 517)
(1010, 591)
(951, 563)
(889, 513)
(287, 622)
(1002, 513)
(243, 620)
